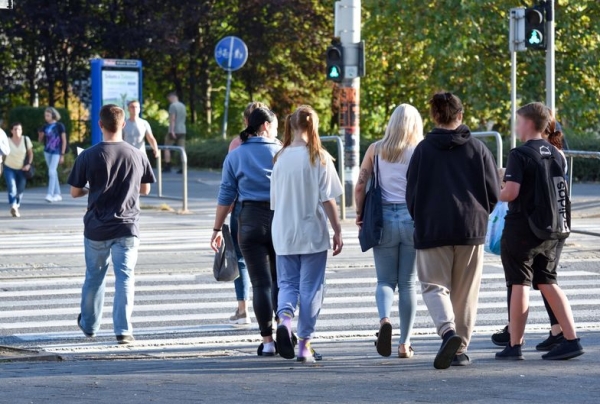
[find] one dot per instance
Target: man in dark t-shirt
(117, 173)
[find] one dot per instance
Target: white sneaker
(49, 198)
(240, 318)
(56, 198)
(14, 211)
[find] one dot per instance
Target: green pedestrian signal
(334, 72)
(335, 62)
(535, 27)
(535, 37)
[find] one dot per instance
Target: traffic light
(335, 62)
(535, 27)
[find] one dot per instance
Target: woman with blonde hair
(54, 136)
(395, 256)
(304, 188)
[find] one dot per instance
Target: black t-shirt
(521, 169)
(114, 171)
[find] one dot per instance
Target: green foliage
(32, 119)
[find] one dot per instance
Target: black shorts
(526, 259)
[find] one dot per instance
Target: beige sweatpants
(450, 278)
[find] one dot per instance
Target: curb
(10, 354)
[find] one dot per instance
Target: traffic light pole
(347, 28)
(550, 58)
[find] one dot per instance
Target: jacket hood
(447, 139)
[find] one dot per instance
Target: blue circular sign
(231, 53)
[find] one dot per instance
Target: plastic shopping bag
(495, 228)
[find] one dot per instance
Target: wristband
(217, 230)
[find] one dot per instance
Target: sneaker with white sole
(56, 198)
(240, 318)
(14, 211)
(49, 198)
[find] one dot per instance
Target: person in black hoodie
(452, 188)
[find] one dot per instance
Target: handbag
(225, 266)
(31, 173)
(371, 230)
(493, 237)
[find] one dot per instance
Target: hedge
(32, 118)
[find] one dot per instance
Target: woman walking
(17, 163)
(54, 136)
(303, 192)
(246, 176)
(395, 256)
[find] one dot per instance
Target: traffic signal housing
(335, 62)
(535, 27)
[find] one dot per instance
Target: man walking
(177, 129)
(137, 130)
(117, 173)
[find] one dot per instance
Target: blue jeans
(124, 252)
(15, 184)
(242, 283)
(52, 161)
(395, 265)
(301, 280)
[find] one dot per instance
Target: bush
(32, 119)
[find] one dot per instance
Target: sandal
(384, 340)
(408, 354)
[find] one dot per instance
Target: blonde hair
(252, 106)
(53, 112)
(305, 119)
(404, 130)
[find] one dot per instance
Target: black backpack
(550, 217)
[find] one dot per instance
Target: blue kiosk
(114, 81)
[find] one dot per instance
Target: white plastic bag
(495, 228)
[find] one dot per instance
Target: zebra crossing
(188, 308)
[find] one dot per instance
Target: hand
(61, 160)
(26, 167)
(337, 243)
(172, 135)
(216, 240)
(359, 221)
(156, 153)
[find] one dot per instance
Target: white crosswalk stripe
(189, 305)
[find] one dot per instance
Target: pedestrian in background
(54, 136)
(247, 179)
(17, 163)
(395, 256)
(138, 130)
(177, 129)
(4, 147)
(527, 258)
(452, 187)
(304, 188)
(242, 283)
(117, 174)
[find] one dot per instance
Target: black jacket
(452, 188)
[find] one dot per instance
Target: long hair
(553, 132)
(404, 130)
(256, 119)
(306, 120)
(53, 112)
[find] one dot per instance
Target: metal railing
(184, 171)
(573, 154)
(499, 145)
(340, 161)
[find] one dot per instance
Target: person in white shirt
(137, 130)
(304, 188)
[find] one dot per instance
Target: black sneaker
(565, 350)
(510, 353)
(125, 339)
(87, 334)
(180, 171)
(450, 345)
(284, 343)
(549, 343)
(461, 360)
(501, 337)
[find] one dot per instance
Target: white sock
(269, 347)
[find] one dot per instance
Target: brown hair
(12, 125)
(553, 132)
(53, 112)
(445, 108)
(252, 106)
(112, 117)
(304, 119)
(538, 113)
